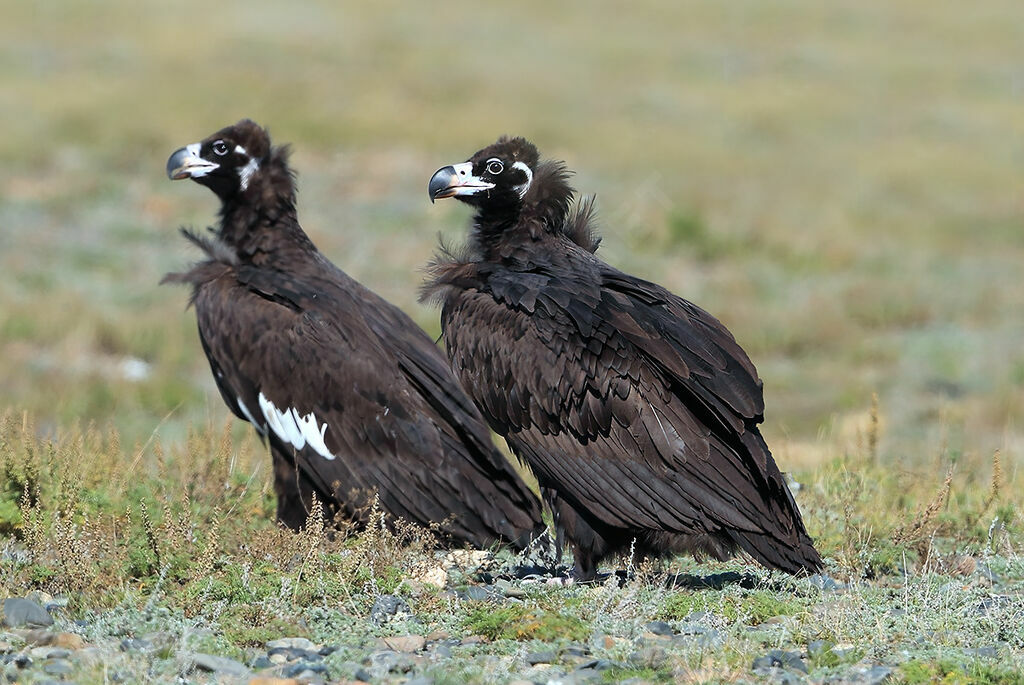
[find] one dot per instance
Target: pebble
(58, 667)
(534, 658)
(780, 658)
(825, 583)
(420, 680)
(440, 651)
(131, 644)
(49, 653)
(597, 665)
(473, 592)
(293, 643)
(260, 663)
(389, 607)
(390, 662)
(863, 675)
(216, 664)
(405, 643)
(24, 612)
(993, 604)
(297, 670)
(650, 656)
(660, 628)
(508, 589)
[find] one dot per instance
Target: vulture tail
(800, 559)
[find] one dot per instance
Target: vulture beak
(186, 163)
(452, 181)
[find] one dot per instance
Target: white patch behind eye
(246, 172)
(295, 429)
(522, 188)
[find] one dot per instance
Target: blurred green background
(839, 182)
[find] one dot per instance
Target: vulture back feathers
(636, 409)
(353, 398)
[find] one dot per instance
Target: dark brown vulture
(636, 409)
(352, 396)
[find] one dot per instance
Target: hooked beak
(455, 180)
(186, 163)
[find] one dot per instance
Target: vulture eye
(220, 148)
(495, 167)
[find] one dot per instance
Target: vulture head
(509, 180)
(225, 162)
(499, 175)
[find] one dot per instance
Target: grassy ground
(179, 549)
(837, 182)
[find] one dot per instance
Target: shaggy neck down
(260, 222)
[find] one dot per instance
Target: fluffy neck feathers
(261, 221)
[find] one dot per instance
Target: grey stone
(217, 664)
(293, 643)
(260, 662)
(303, 667)
(388, 607)
(781, 659)
(778, 676)
(650, 656)
(983, 652)
(362, 674)
(692, 628)
(24, 612)
(993, 604)
(534, 658)
(862, 675)
(660, 628)
(597, 665)
(405, 643)
(135, 645)
(985, 572)
(308, 677)
(49, 653)
(576, 650)
(440, 651)
(699, 617)
(58, 667)
(825, 583)
(390, 662)
(474, 592)
(420, 680)
(710, 640)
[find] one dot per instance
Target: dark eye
(495, 167)
(220, 148)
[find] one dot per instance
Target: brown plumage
(636, 409)
(353, 398)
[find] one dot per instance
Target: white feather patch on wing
(261, 428)
(295, 429)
